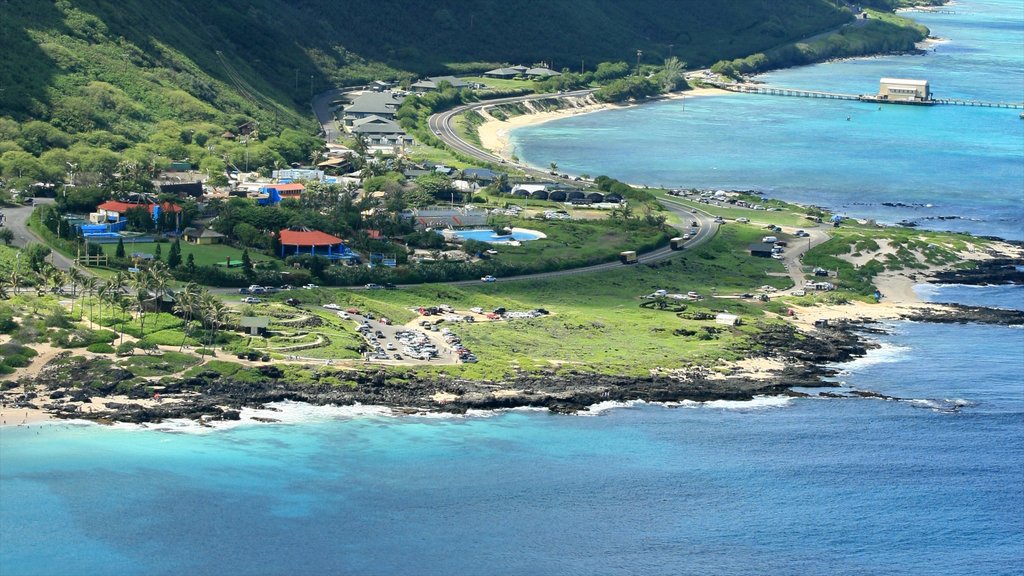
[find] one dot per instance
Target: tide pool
(942, 167)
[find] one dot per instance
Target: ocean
(942, 167)
(930, 484)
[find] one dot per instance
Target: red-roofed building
(112, 212)
(318, 244)
(274, 193)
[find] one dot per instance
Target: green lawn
(204, 255)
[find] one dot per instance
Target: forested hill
(179, 58)
(103, 82)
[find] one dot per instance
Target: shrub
(100, 348)
(125, 349)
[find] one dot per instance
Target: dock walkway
(802, 93)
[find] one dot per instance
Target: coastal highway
(440, 125)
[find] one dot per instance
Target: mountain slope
(138, 80)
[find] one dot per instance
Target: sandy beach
(494, 133)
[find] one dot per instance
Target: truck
(677, 243)
(628, 257)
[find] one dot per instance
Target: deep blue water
(939, 161)
(933, 484)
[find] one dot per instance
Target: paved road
(440, 125)
(17, 221)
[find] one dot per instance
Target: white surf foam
(757, 403)
(886, 353)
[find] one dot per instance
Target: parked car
(251, 300)
(488, 278)
(372, 286)
(390, 286)
(292, 302)
(310, 287)
(243, 290)
(743, 220)
(343, 315)
(332, 306)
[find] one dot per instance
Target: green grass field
(205, 255)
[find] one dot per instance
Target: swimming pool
(488, 235)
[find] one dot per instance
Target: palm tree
(74, 276)
(89, 285)
(672, 73)
(124, 303)
(213, 314)
(140, 286)
(186, 303)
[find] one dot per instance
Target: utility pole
(639, 53)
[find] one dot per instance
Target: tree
(190, 264)
(89, 285)
(119, 251)
(672, 74)
(35, 256)
(554, 167)
(246, 262)
(158, 253)
(6, 236)
(174, 256)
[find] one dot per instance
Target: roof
(761, 247)
(201, 233)
(376, 125)
(290, 187)
(542, 72)
(480, 173)
(307, 238)
(433, 81)
(254, 321)
(907, 81)
(503, 72)
(122, 207)
(374, 103)
(333, 162)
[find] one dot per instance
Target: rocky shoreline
(209, 396)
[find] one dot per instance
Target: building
(202, 236)
(540, 73)
(442, 217)
(380, 131)
(904, 90)
(256, 325)
(431, 84)
(314, 242)
(383, 104)
(506, 73)
(761, 249)
(274, 193)
(112, 213)
(297, 174)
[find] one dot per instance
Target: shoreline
(495, 134)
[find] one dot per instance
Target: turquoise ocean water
(953, 168)
(930, 485)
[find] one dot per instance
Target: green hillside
(98, 82)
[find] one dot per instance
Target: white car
(344, 315)
(332, 306)
(743, 220)
(488, 278)
(251, 300)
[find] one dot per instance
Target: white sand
(494, 134)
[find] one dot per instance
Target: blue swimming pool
(488, 235)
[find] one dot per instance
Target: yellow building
(902, 89)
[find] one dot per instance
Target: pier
(801, 93)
